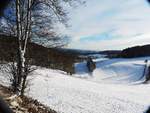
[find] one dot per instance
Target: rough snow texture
(98, 93)
(115, 87)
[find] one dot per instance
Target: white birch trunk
(18, 20)
(23, 34)
(27, 35)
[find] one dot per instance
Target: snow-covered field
(115, 87)
(122, 71)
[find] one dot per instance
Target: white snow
(122, 71)
(115, 87)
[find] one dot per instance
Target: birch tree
(23, 22)
(34, 19)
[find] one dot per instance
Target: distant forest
(39, 55)
(62, 59)
(137, 51)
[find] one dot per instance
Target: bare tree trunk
(27, 35)
(23, 34)
(23, 22)
(19, 60)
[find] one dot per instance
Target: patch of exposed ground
(24, 104)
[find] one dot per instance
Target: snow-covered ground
(122, 71)
(115, 87)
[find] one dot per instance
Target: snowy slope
(114, 87)
(122, 71)
(73, 95)
(96, 94)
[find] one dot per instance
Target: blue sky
(109, 24)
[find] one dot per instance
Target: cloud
(114, 44)
(92, 25)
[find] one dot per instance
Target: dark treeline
(137, 51)
(38, 55)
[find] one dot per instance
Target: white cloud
(119, 43)
(127, 17)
